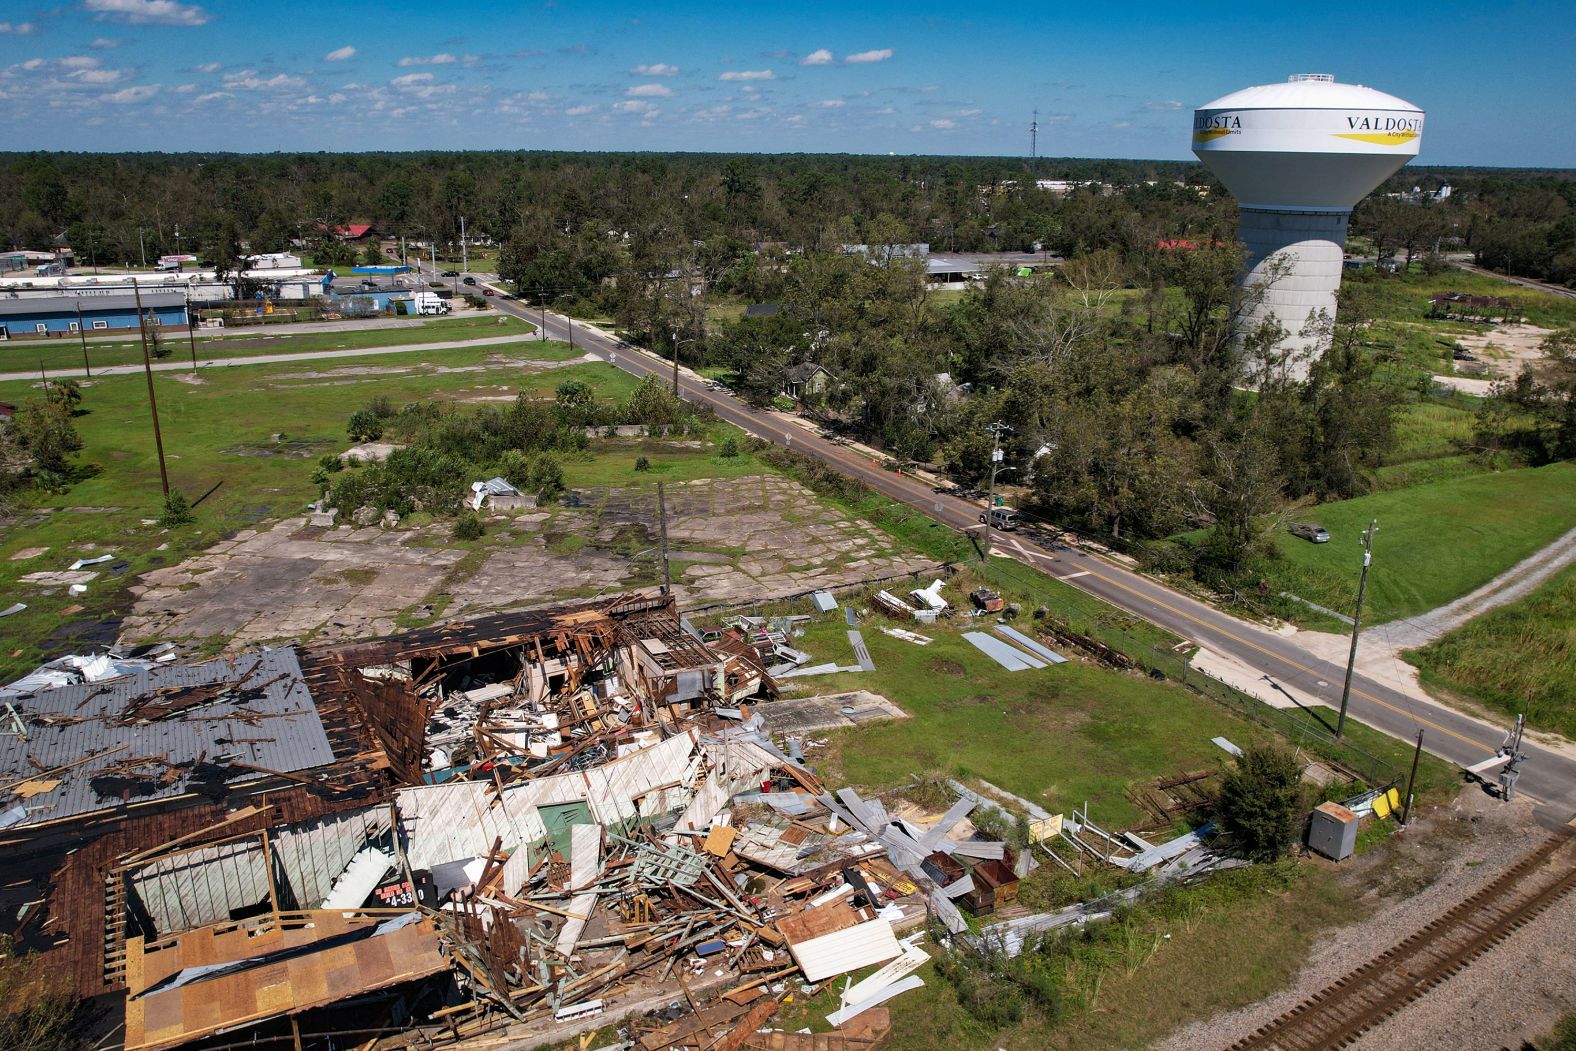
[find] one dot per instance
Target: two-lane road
(1546, 775)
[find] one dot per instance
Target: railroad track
(1337, 1015)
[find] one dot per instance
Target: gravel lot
(1514, 992)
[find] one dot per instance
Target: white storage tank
(1298, 157)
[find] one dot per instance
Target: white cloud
(340, 54)
(207, 67)
(655, 69)
(831, 103)
(248, 80)
(633, 106)
(819, 57)
(186, 89)
(863, 57)
(748, 74)
(411, 80)
(139, 93)
(80, 62)
(15, 28)
(650, 91)
(1163, 104)
(213, 96)
(149, 12)
(579, 111)
(443, 58)
(104, 43)
(34, 64)
(99, 77)
(1122, 124)
(943, 124)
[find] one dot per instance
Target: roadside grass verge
(66, 353)
(1436, 542)
(1521, 656)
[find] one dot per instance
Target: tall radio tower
(1034, 136)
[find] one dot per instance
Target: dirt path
(1516, 582)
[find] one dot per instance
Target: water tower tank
(1298, 157)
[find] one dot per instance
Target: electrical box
(1333, 831)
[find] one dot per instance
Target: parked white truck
(428, 303)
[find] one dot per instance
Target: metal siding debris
(846, 1014)
(846, 950)
(1034, 646)
(1008, 657)
(861, 651)
(824, 602)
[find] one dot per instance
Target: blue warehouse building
(64, 314)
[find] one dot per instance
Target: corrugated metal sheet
(201, 887)
(1034, 646)
(459, 820)
(1008, 657)
(270, 723)
(312, 855)
(846, 950)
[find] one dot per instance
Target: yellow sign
(1380, 138)
(1211, 134)
(1040, 831)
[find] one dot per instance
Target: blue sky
(1108, 81)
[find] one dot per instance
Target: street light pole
(1357, 621)
(465, 254)
(990, 496)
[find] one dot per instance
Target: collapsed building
(521, 819)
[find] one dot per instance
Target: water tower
(1298, 157)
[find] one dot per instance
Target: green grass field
(220, 454)
(1519, 657)
(1436, 542)
(67, 353)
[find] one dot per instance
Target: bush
(177, 510)
(642, 464)
(364, 426)
(1261, 802)
(545, 478)
(729, 449)
(469, 527)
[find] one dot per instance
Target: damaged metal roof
(159, 733)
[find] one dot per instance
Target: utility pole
(143, 248)
(1034, 136)
(82, 334)
(1406, 807)
(191, 335)
(1357, 622)
(662, 524)
(153, 404)
(465, 253)
(995, 464)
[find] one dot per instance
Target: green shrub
(642, 464)
(364, 426)
(177, 510)
(1261, 801)
(729, 449)
(469, 527)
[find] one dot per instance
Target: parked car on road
(467, 281)
(451, 273)
(1308, 531)
(1003, 518)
